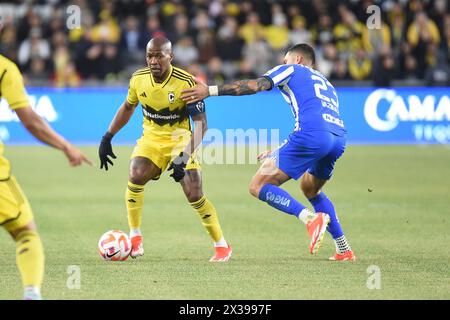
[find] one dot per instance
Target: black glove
(178, 164)
(105, 150)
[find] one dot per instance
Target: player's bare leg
(192, 188)
(141, 171)
(265, 186)
(312, 189)
(30, 259)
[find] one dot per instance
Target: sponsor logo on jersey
(164, 116)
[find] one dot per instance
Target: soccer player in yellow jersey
(167, 140)
(15, 212)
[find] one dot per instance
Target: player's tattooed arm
(238, 88)
(244, 87)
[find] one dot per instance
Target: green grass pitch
(393, 202)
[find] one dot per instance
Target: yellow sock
(208, 216)
(30, 258)
(134, 199)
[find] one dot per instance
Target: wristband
(213, 90)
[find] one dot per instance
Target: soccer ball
(114, 245)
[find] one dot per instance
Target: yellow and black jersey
(13, 90)
(165, 114)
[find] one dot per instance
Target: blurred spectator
(181, 28)
(35, 47)
(185, 52)
(132, 49)
(383, 70)
(245, 71)
(37, 70)
(153, 29)
(359, 65)
(252, 30)
(206, 45)
(340, 71)
(322, 32)
(294, 15)
(277, 34)
(326, 58)
(202, 21)
(421, 32)
(439, 75)
(65, 74)
(259, 54)
(410, 68)
(214, 72)
(398, 27)
(106, 30)
(348, 32)
(229, 45)
(422, 29)
(299, 34)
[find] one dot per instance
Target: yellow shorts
(15, 210)
(161, 152)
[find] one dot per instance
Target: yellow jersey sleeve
(132, 97)
(12, 88)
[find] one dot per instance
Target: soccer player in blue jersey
(310, 151)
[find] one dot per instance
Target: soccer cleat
(316, 229)
(222, 254)
(346, 256)
(137, 248)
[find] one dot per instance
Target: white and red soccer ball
(114, 245)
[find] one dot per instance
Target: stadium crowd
(219, 40)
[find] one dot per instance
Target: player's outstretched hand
(178, 164)
(105, 151)
(197, 93)
(75, 156)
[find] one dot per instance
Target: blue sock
(280, 199)
(321, 203)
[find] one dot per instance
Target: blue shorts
(315, 152)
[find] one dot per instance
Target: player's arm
(237, 88)
(200, 128)
(120, 119)
(198, 115)
(43, 132)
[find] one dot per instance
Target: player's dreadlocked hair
(306, 50)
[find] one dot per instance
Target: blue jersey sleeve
(280, 75)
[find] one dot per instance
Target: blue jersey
(312, 98)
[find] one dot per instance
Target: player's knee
(137, 176)
(254, 188)
(194, 195)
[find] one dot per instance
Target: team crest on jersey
(171, 97)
